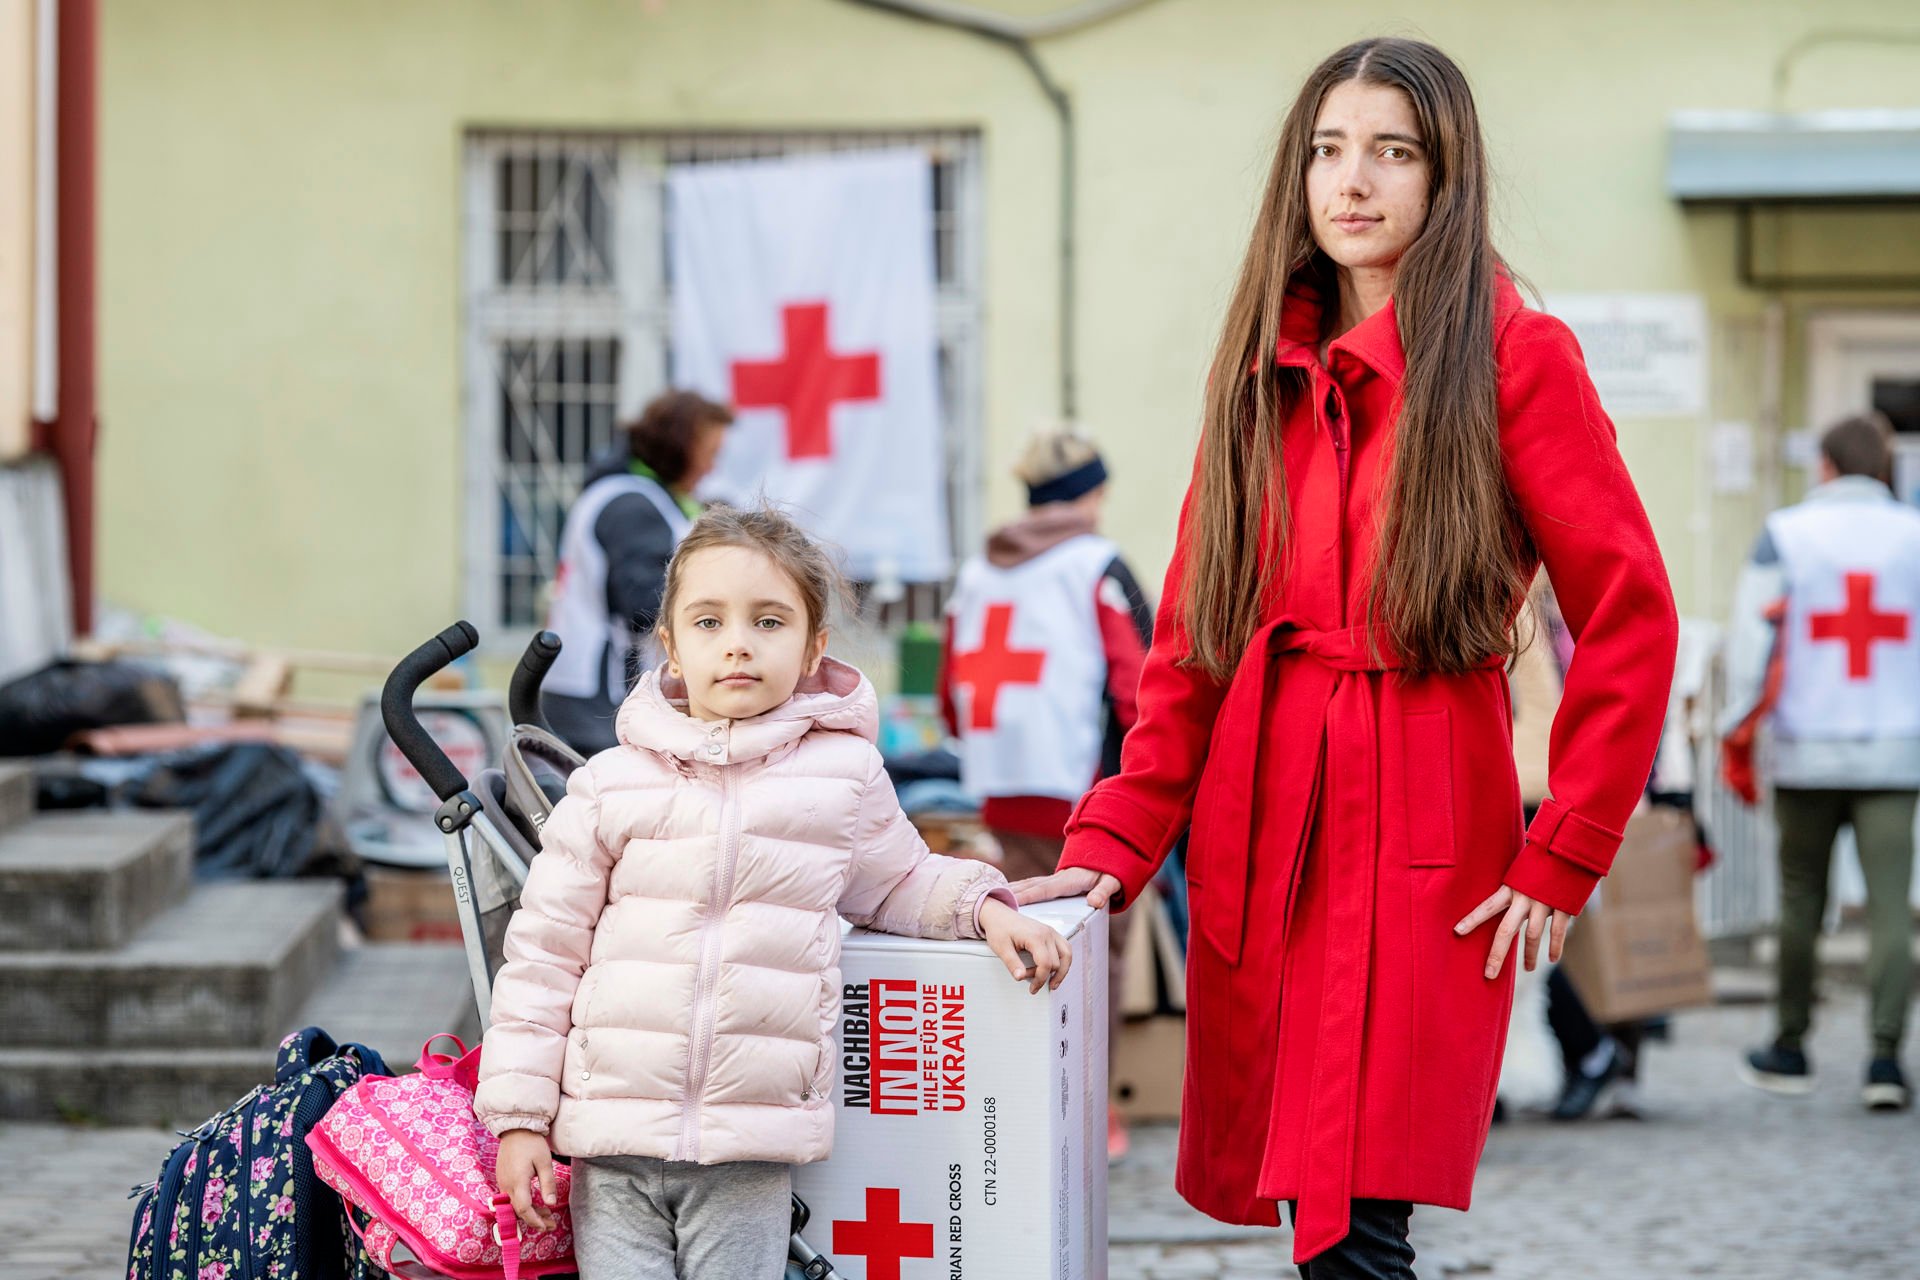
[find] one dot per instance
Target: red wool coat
(1342, 1042)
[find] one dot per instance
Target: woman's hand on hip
(1071, 883)
(1520, 917)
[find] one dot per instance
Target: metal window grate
(567, 333)
(556, 414)
(552, 215)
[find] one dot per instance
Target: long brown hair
(1447, 575)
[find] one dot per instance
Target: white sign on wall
(1733, 460)
(1647, 352)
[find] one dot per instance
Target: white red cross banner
(803, 295)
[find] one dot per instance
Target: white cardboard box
(971, 1116)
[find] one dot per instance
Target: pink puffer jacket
(671, 982)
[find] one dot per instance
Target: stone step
(226, 967)
(16, 795)
(388, 996)
(89, 881)
(394, 996)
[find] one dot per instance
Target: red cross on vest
(806, 381)
(883, 1240)
(1859, 626)
(993, 664)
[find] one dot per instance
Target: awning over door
(1821, 157)
(1825, 163)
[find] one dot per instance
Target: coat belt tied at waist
(1318, 681)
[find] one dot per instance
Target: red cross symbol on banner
(994, 664)
(1859, 625)
(883, 1240)
(806, 381)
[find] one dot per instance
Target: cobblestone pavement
(1718, 1181)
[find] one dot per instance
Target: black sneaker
(1584, 1092)
(1886, 1088)
(1779, 1070)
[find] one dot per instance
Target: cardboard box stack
(1151, 1055)
(1636, 950)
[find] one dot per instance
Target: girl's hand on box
(1071, 883)
(1009, 933)
(523, 1155)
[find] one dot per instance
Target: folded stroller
(492, 824)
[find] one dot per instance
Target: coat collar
(654, 717)
(1375, 341)
(1850, 489)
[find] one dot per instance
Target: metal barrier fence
(1740, 893)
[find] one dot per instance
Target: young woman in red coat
(1392, 444)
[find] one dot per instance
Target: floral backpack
(238, 1200)
(416, 1165)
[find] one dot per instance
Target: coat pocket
(819, 1083)
(1202, 828)
(1428, 796)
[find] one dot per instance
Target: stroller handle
(396, 706)
(523, 692)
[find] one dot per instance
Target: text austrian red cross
(1859, 626)
(993, 664)
(806, 381)
(883, 1240)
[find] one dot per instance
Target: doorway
(1869, 360)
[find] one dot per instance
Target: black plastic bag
(256, 814)
(42, 710)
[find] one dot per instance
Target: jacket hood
(836, 697)
(1041, 529)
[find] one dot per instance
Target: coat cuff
(1100, 850)
(1563, 859)
(501, 1126)
(983, 894)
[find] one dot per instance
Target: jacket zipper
(196, 1194)
(703, 995)
(246, 1190)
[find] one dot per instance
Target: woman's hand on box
(1070, 883)
(1009, 933)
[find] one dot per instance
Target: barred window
(567, 332)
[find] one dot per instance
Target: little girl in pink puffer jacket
(666, 1011)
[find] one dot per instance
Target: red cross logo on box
(806, 381)
(883, 1240)
(1859, 625)
(995, 664)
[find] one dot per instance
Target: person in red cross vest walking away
(1045, 635)
(1822, 642)
(635, 505)
(1391, 444)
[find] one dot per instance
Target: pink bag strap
(506, 1234)
(462, 1066)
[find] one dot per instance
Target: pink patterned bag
(409, 1153)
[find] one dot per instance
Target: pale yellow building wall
(281, 299)
(16, 226)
